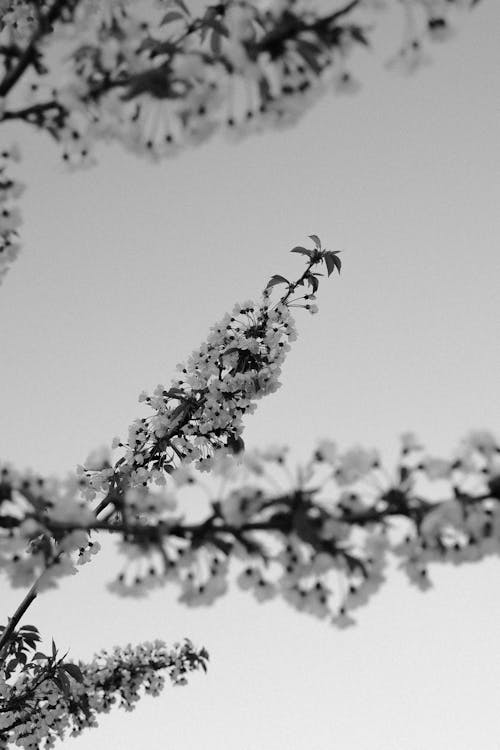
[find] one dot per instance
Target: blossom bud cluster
(10, 215)
(47, 699)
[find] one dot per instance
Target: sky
(124, 268)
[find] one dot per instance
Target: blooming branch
(158, 79)
(43, 697)
(44, 521)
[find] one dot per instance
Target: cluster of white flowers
(31, 507)
(47, 699)
(157, 79)
(203, 410)
(10, 215)
(320, 536)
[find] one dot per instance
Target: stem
(26, 602)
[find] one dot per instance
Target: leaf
(39, 655)
(74, 671)
(276, 279)
(30, 628)
(313, 282)
(332, 262)
(172, 15)
(303, 251)
(54, 650)
(63, 682)
(316, 240)
(11, 665)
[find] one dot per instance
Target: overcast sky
(125, 267)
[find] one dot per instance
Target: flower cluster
(158, 79)
(31, 508)
(45, 523)
(10, 215)
(320, 536)
(43, 698)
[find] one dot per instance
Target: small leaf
(332, 262)
(63, 682)
(276, 279)
(172, 15)
(11, 665)
(31, 628)
(303, 251)
(54, 650)
(313, 282)
(74, 671)
(316, 240)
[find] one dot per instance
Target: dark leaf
(39, 655)
(172, 15)
(74, 671)
(313, 282)
(11, 665)
(30, 628)
(54, 650)
(63, 682)
(316, 240)
(276, 279)
(303, 251)
(332, 262)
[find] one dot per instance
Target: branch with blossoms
(156, 79)
(319, 536)
(46, 524)
(198, 416)
(43, 697)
